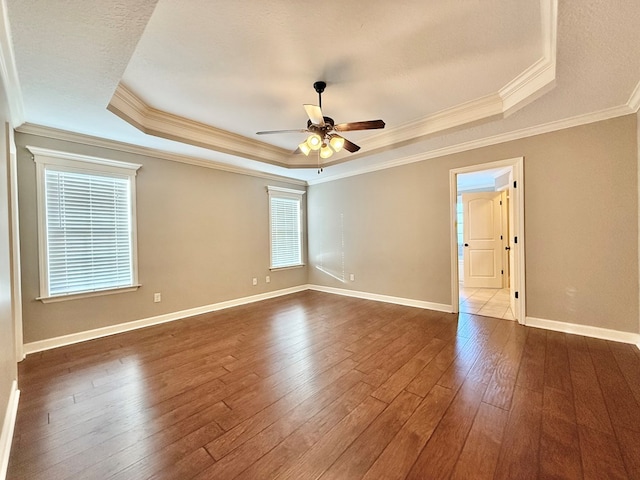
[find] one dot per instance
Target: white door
(482, 224)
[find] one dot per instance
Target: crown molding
(128, 106)
(540, 77)
(479, 109)
(576, 121)
(64, 135)
(536, 80)
(531, 84)
(8, 70)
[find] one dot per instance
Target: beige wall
(391, 228)
(203, 234)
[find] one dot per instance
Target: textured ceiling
(239, 70)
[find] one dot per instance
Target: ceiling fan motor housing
(320, 86)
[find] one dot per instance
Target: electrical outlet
(268, 279)
(157, 297)
(255, 281)
(352, 277)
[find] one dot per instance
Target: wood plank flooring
(313, 385)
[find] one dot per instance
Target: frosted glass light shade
(336, 143)
(325, 151)
(314, 141)
(304, 148)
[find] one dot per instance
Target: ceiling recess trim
(536, 80)
(149, 120)
(576, 121)
(72, 137)
(8, 70)
(531, 84)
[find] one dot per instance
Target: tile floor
(489, 302)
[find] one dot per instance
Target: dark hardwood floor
(313, 385)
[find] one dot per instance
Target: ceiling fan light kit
(321, 128)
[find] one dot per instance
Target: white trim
(132, 109)
(478, 109)
(634, 99)
(297, 193)
(74, 160)
(576, 121)
(93, 293)
(56, 134)
(407, 302)
(72, 338)
(638, 186)
(9, 71)
(585, 330)
(517, 202)
(55, 160)
(534, 81)
(540, 77)
(453, 240)
(14, 231)
(606, 114)
(8, 425)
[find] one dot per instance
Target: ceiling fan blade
(350, 146)
(366, 125)
(315, 114)
(269, 132)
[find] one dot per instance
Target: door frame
(516, 203)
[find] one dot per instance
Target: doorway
(487, 239)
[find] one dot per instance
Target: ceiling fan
(322, 130)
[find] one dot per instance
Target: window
(285, 220)
(86, 225)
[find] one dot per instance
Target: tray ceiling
(199, 78)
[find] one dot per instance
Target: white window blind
(88, 232)
(87, 224)
(286, 227)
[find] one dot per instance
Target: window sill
(290, 267)
(94, 293)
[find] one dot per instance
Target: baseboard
(407, 302)
(6, 437)
(585, 330)
(61, 341)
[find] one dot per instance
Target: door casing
(517, 236)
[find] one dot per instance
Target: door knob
(507, 248)
(466, 244)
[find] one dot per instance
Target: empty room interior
(337, 240)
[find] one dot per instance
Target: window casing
(86, 225)
(286, 227)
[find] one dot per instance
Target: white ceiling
(202, 77)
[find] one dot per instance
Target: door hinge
(516, 294)
(501, 272)
(515, 184)
(515, 239)
(500, 237)
(500, 202)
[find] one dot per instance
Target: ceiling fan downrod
(319, 87)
